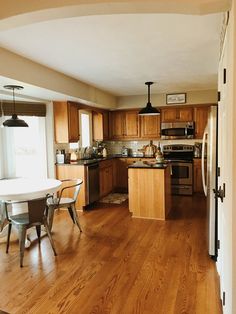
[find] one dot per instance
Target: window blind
(23, 109)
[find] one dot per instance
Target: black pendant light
(149, 110)
(14, 121)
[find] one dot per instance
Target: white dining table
(23, 189)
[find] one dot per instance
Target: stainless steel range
(181, 160)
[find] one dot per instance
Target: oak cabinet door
(73, 122)
(168, 115)
(106, 180)
(150, 127)
(106, 177)
(185, 114)
(177, 114)
(105, 118)
(100, 126)
(200, 118)
(122, 174)
(66, 122)
(117, 124)
(131, 124)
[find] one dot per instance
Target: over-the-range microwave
(177, 130)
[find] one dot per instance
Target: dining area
(27, 204)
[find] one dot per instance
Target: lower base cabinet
(106, 177)
(64, 172)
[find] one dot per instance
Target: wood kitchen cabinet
(124, 124)
(150, 127)
(100, 126)
(121, 164)
(121, 184)
(176, 114)
(201, 119)
(131, 124)
(106, 177)
(66, 122)
(116, 124)
(64, 172)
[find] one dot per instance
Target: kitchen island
(149, 190)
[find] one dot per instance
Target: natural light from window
(26, 149)
(85, 134)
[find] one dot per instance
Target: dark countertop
(95, 160)
(143, 164)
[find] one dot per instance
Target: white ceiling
(118, 53)
(31, 93)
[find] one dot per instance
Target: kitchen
(123, 134)
(138, 131)
(108, 229)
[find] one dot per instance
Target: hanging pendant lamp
(14, 121)
(149, 110)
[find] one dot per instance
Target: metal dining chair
(34, 217)
(65, 202)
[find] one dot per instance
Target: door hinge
(218, 171)
(223, 299)
(218, 244)
(219, 96)
(224, 76)
(220, 193)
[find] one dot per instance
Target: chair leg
(71, 214)
(22, 236)
(76, 218)
(38, 231)
(49, 235)
(50, 216)
(8, 236)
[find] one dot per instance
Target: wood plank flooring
(117, 265)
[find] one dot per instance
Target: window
(85, 121)
(24, 149)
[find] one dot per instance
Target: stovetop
(178, 152)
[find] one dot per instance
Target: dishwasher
(92, 174)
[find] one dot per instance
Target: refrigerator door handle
(204, 180)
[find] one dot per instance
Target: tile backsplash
(115, 147)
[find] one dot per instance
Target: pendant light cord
(148, 93)
(14, 103)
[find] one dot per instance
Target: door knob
(220, 193)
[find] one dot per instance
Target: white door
(225, 128)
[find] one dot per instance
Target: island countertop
(148, 165)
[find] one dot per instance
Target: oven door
(181, 173)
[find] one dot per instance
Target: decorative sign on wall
(179, 98)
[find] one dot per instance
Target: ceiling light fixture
(14, 121)
(149, 110)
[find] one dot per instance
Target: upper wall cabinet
(131, 124)
(124, 124)
(100, 126)
(200, 118)
(176, 114)
(66, 122)
(150, 127)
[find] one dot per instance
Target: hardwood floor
(117, 265)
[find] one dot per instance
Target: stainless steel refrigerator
(209, 177)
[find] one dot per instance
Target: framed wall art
(177, 98)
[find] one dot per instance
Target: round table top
(25, 189)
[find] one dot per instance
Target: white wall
(193, 97)
(50, 141)
(1, 153)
